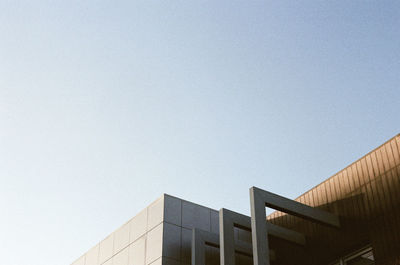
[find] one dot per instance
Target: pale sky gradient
(105, 105)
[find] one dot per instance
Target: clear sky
(105, 105)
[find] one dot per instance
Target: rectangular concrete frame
(259, 199)
(229, 219)
(201, 238)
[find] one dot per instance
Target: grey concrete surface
(259, 199)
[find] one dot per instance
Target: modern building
(352, 218)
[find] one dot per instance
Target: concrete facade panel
(154, 244)
(157, 262)
(365, 195)
(186, 245)
(244, 235)
(212, 255)
(172, 210)
(106, 249)
(92, 256)
(155, 213)
(169, 261)
(137, 252)
(121, 238)
(214, 221)
(138, 226)
(108, 262)
(121, 258)
(195, 216)
(172, 241)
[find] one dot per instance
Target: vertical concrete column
(258, 229)
(259, 199)
(199, 240)
(226, 236)
(198, 248)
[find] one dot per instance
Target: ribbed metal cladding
(366, 196)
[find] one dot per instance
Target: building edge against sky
(364, 195)
(164, 225)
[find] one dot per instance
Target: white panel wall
(161, 234)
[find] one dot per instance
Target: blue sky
(105, 105)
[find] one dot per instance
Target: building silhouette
(351, 218)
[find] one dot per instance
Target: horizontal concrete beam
(295, 208)
(229, 219)
(201, 238)
(259, 199)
